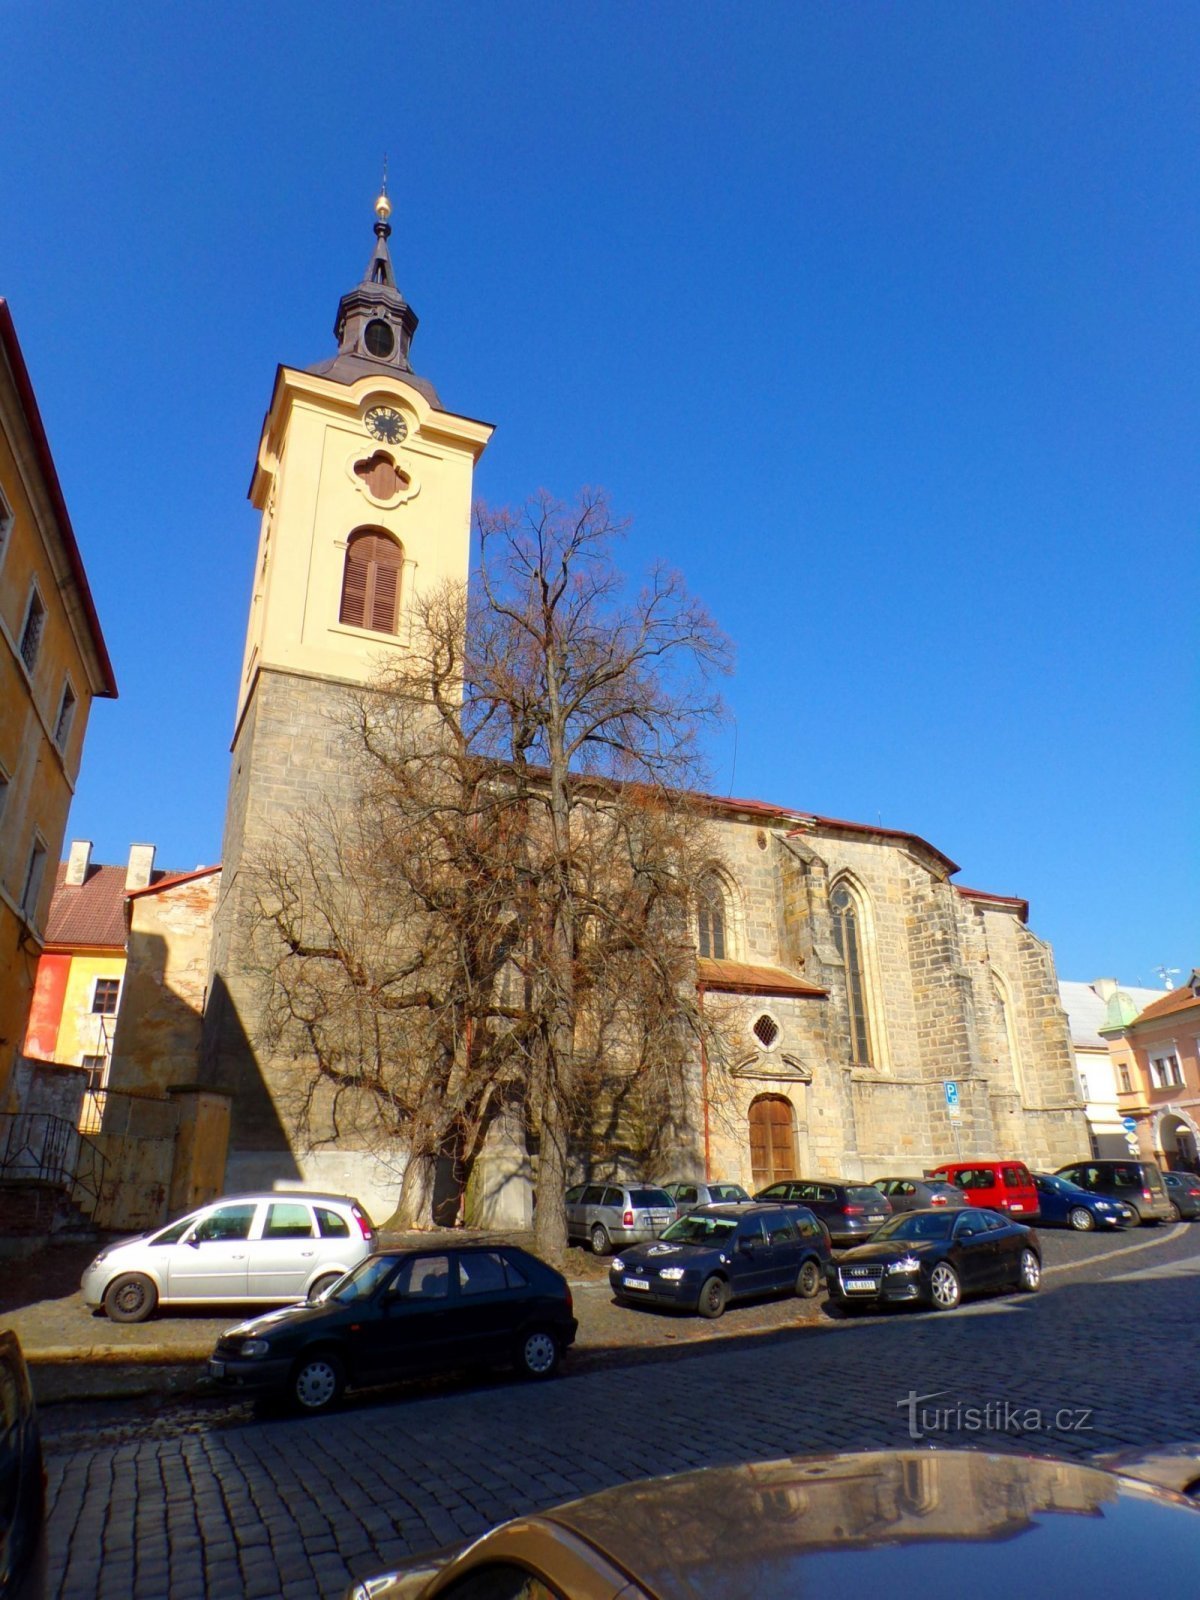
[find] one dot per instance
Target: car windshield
(727, 1191)
(918, 1225)
(864, 1197)
(699, 1229)
(362, 1282)
(651, 1199)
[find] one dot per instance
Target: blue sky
(879, 320)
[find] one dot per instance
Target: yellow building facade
(53, 663)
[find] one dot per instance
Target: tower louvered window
(371, 583)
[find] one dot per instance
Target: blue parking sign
(950, 1085)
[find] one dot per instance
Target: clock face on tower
(386, 423)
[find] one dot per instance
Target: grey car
(691, 1196)
(920, 1194)
(246, 1250)
(608, 1214)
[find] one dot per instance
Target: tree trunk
(550, 1218)
(414, 1209)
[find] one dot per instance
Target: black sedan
(724, 1253)
(936, 1257)
(402, 1314)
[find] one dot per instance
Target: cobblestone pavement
(298, 1507)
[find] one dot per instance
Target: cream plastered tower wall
(312, 500)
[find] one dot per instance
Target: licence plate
(216, 1369)
(1016, 1206)
(635, 1283)
(861, 1285)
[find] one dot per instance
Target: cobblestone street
(299, 1507)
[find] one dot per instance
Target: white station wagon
(248, 1250)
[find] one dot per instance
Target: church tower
(364, 483)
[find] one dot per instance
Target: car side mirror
(746, 1246)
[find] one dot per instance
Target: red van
(1000, 1185)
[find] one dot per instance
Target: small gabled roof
(1188, 994)
(172, 880)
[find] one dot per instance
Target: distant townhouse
(1156, 1055)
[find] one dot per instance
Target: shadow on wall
(229, 1062)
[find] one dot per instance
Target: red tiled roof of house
(739, 977)
(92, 912)
(1174, 1000)
(1015, 901)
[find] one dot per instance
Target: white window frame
(31, 890)
(62, 736)
(1166, 1071)
(106, 977)
(34, 592)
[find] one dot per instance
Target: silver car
(248, 1250)
(691, 1196)
(605, 1214)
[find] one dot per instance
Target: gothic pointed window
(848, 936)
(710, 918)
(371, 582)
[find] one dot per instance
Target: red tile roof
(1175, 1000)
(92, 913)
(738, 977)
(1021, 907)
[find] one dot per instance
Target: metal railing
(38, 1147)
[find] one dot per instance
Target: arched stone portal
(772, 1139)
(1179, 1140)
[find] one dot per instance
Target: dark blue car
(723, 1253)
(1064, 1204)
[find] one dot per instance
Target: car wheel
(1173, 1213)
(537, 1354)
(325, 1281)
(130, 1298)
(714, 1295)
(1081, 1219)
(1030, 1275)
(317, 1382)
(601, 1244)
(945, 1291)
(808, 1280)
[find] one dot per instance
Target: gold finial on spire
(383, 206)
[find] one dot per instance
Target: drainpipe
(704, 1090)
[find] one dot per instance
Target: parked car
(995, 1185)
(850, 1211)
(23, 1548)
(725, 1253)
(1137, 1184)
(608, 1214)
(903, 1523)
(937, 1257)
(919, 1194)
(691, 1196)
(252, 1250)
(1064, 1204)
(403, 1313)
(1183, 1191)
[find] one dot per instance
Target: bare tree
(499, 923)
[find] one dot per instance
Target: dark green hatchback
(401, 1314)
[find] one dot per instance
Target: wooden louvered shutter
(354, 588)
(371, 583)
(383, 599)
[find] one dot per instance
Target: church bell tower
(364, 484)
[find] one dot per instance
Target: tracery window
(848, 937)
(710, 918)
